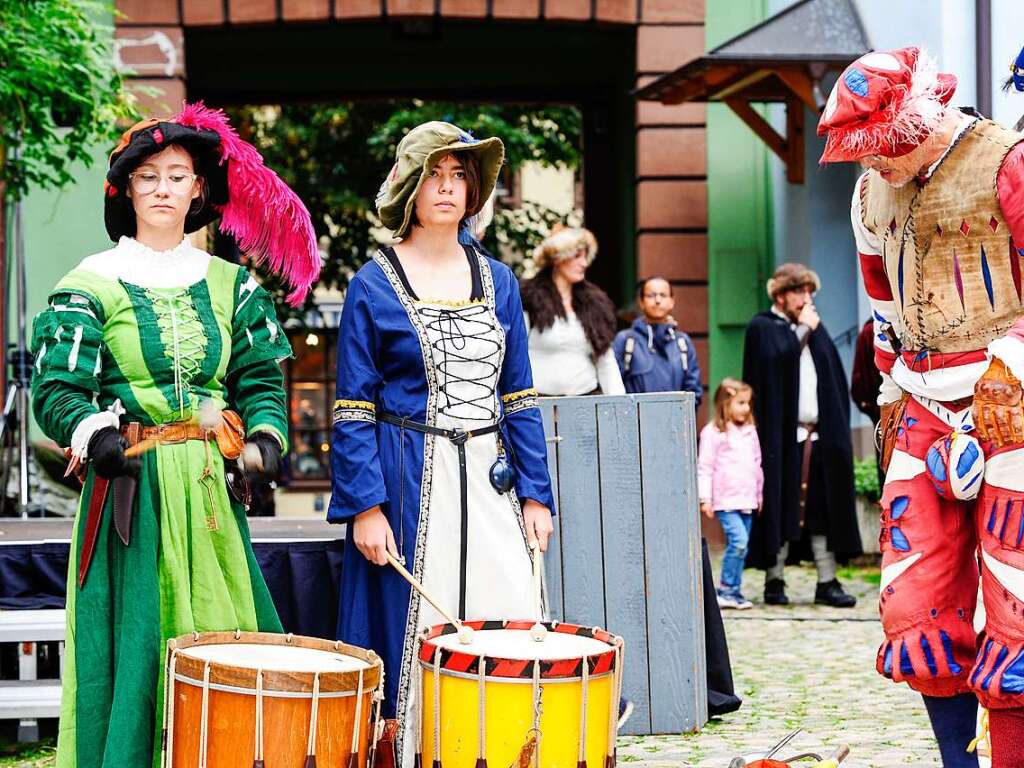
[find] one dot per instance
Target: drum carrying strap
(481, 678)
(257, 760)
(437, 709)
(314, 712)
(582, 760)
(204, 723)
(353, 756)
(420, 707)
(458, 437)
(168, 735)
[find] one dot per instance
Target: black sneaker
(831, 593)
(775, 592)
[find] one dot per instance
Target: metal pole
(983, 54)
(21, 374)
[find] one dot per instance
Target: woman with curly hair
(571, 321)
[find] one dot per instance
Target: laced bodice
(183, 338)
(465, 344)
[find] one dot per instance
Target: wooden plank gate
(626, 554)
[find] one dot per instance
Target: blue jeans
(736, 526)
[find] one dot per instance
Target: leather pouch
(892, 417)
(230, 435)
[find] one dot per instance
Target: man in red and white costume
(938, 217)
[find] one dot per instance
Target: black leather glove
(106, 452)
(270, 455)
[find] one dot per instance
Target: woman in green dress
(156, 340)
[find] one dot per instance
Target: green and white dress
(157, 335)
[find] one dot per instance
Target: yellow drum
(508, 700)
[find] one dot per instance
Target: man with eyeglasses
(802, 409)
(654, 355)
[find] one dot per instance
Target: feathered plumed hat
(266, 218)
(885, 103)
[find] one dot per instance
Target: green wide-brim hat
(421, 149)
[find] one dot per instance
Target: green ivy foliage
(865, 479)
(59, 92)
(335, 157)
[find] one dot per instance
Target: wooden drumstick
(465, 633)
(538, 631)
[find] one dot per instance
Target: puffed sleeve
(523, 424)
(707, 453)
(258, 345)
(67, 345)
(1010, 186)
(358, 483)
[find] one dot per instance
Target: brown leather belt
(172, 433)
(805, 469)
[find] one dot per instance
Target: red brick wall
(671, 168)
(206, 12)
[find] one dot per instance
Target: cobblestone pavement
(803, 666)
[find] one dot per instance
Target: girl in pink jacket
(729, 481)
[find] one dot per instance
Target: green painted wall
(739, 208)
(61, 228)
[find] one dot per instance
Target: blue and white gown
(463, 365)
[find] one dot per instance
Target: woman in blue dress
(438, 451)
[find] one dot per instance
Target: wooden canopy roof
(782, 59)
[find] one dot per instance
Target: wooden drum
(244, 699)
(507, 699)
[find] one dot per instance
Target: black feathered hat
(264, 215)
(149, 138)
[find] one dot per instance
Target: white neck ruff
(140, 265)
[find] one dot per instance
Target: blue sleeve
(619, 347)
(691, 376)
(523, 424)
(358, 483)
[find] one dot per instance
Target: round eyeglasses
(145, 182)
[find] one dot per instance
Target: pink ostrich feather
(264, 215)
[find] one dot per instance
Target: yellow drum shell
(509, 719)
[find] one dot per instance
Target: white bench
(27, 698)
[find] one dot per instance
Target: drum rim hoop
(508, 668)
(236, 676)
(521, 680)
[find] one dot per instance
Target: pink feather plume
(264, 215)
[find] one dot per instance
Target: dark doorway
(587, 65)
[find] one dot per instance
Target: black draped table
(300, 559)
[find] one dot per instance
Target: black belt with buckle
(458, 437)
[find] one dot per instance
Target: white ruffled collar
(136, 248)
(131, 261)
